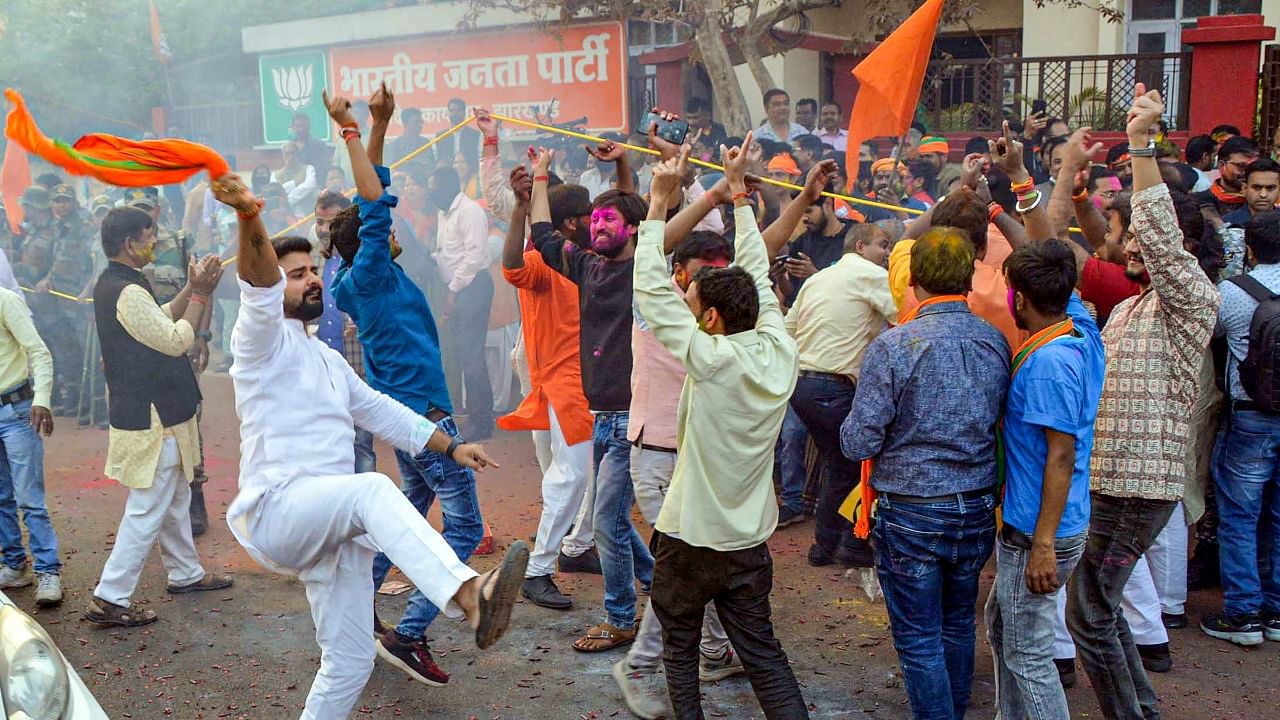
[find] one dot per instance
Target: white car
(36, 681)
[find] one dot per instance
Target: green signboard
(291, 83)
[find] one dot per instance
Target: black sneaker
(1066, 671)
(413, 657)
(588, 562)
(1174, 621)
(819, 557)
(788, 517)
(1241, 631)
(857, 555)
(542, 591)
(1156, 658)
(1271, 627)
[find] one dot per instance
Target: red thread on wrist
(199, 299)
(352, 125)
(993, 211)
(491, 140)
(349, 133)
(542, 178)
(741, 196)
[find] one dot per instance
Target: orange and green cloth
(111, 159)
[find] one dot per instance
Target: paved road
(249, 652)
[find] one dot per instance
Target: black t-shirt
(823, 250)
(604, 301)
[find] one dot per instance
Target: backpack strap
(1256, 290)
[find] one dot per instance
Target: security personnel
(168, 275)
(72, 257)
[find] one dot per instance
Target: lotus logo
(293, 86)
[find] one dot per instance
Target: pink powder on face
(609, 231)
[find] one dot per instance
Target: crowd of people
(1085, 340)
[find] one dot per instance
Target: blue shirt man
(1058, 387)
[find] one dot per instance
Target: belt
(655, 448)
(435, 415)
(24, 392)
(827, 376)
(1249, 406)
(917, 500)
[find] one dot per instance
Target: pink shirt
(657, 377)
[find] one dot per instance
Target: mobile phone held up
(673, 131)
(1038, 107)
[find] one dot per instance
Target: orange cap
(783, 162)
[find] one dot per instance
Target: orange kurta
(989, 298)
(549, 321)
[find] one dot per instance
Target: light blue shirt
(1234, 318)
(765, 132)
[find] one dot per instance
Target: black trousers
(468, 327)
(685, 579)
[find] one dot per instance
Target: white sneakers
(643, 689)
(48, 590)
(11, 578)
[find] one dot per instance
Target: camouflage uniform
(32, 262)
(72, 258)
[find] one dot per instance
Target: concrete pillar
(1220, 47)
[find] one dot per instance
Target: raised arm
(540, 204)
(616, 154)
(1007, 153)
(366, 179)
(381, 107)
(493, 182)
(256, 260)
(683, 223)
(513, 245)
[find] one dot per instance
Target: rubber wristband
(349, 133)
(542, 178)
(491, 140)
(1023, 187)
(453, 447)
(353, 126)
(1080, 196)
(994, 211)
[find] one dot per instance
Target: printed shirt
(1235, 317)
(549, 322)
(731, 405)
(396, 328)
(927, 404)
(989, 298)
(21, 345)
(1155, 345)
(1057, 388)
(132, 455)
(332, 330)
(298, 402)
(838, 312)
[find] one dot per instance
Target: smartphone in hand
(673, 131)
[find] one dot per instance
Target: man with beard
(1227, 192)
(555, 403)
(310, 150)
(153, 446)
(336, 329)
(820, 247)
(300, 510)
(402, 359)
(1155, 344)
(604, 280)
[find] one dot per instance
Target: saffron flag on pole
(158, 41)
(889, 81)
(113, 160)
(15, 176)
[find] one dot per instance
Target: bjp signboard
(566, 73)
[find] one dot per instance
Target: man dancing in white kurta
(301, 509)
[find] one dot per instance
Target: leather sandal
(101, 612)
(604, 637)
(204, 584)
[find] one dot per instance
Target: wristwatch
(1148, 152)
(205, 335)
(453, 446)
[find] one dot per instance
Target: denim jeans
(1248, 485)
(423, 478)
(790, 459)
(22, 486)
(929, 558)
(1020, 628)
(366, 459)
(1120, 531)
(624, 557)
(822, 404)
(738, 582)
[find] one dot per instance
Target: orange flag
(15, 176)
(890, 79)
(113, 160)
(158, 42)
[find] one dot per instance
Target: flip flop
(495, 611)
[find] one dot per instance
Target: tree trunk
(751, 53)
(730, 106)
